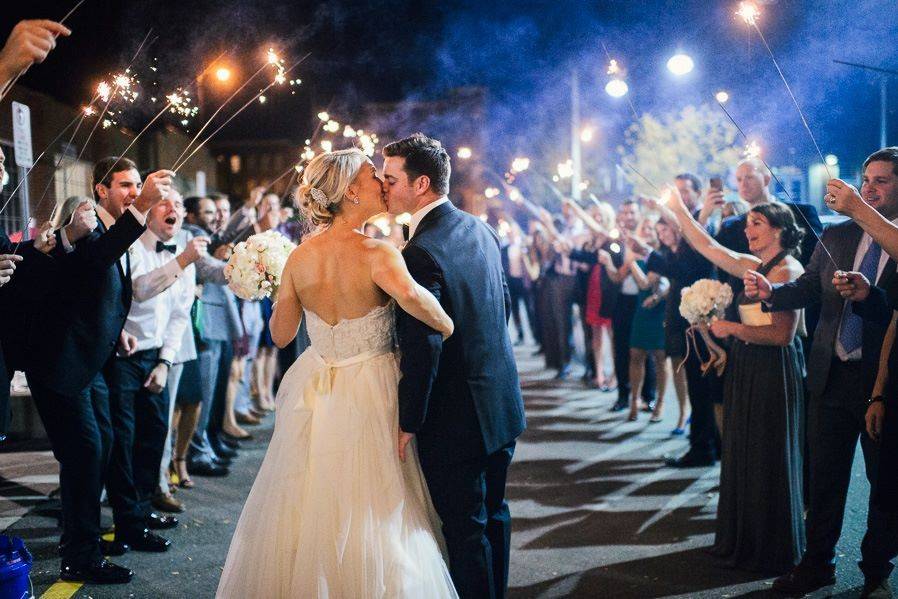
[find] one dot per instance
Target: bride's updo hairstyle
(324, 183)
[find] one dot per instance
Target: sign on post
(21, 134)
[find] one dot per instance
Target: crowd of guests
(809, 337)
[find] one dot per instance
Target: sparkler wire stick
(176, 167)
(81, 116)
(785, 190)
(791, 95)
(11, 84)
(225, 103)
(641, 176)
(136, 137)
(93, 130)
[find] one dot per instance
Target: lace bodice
(351, 337)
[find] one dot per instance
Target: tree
(699, 139)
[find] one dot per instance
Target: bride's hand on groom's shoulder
(404, 439)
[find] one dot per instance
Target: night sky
(521, 52)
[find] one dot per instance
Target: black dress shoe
(102, 572)
(222, 450)
(113, 548)
(227, 441)
(146, 541)
(157, 522)
(620, 405)
(220, 461)
(690, 460)
(803, 579)
(204, 468)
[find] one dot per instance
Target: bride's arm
(287, 314)
(389, 272)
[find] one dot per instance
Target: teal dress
(647, 331)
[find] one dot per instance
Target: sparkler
(640, 175)
(617, 87)
(750, 13)
(780, 183)
(12, 83)
(178, 165)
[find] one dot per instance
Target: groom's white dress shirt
(160, 311)
(418, 216)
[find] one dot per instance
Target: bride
(334, 512)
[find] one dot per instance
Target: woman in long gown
(334, 511)
(760, 523)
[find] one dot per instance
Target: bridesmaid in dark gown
(760, 525)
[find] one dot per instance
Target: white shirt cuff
(65, 241)
(167, 353)
(139, 216)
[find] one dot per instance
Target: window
(72, 178)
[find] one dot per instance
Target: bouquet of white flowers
(705, 301)
(255, 267)
(702, 303)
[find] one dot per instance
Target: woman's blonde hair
(324, 183)
(64, 211)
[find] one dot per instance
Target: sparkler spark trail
(780, 183)
(641, 176)
(750, 13)
(171, 101)
(178, 165)
(615, 70)
(87, 141)
(12, 83)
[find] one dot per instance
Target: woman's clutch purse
(753, 316)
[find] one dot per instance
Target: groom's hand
(404, 439)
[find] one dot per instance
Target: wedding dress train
(333, 512)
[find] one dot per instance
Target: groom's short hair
(423, 156)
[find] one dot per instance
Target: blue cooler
(15, 568)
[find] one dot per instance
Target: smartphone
(716, 183)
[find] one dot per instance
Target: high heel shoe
(183, 481)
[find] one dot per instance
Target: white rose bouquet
(255, 267)
(705, 301)
(702, 303)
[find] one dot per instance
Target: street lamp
(722, 97)
(464, 153)
(223, 74)
(586, 134)
(617, 88)
(680, 64)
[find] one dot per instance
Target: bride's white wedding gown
(334, 513)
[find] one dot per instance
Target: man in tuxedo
(29, 42)
(80, 328)
(854, 315)
(461, 398)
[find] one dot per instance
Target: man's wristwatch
(163, 361)
(876, 399)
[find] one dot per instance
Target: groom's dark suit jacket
(81, 322)
(461, 398)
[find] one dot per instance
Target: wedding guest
(844, 359)
(601, 290)
(683, 266)
(264, 366)
(219, 325)
(760, 513)
(628, 216)
(237, 402)
(515, 273)
(75, 343)
(137, 377)
(647, 330)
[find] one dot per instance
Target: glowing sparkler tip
(752, 150)
(89, 111)
(104, 90)
(520, 164)
(324, 116)
(613, 67)
(491, 192)
(272, 57)
(749, 12)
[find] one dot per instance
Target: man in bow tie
(139, 401)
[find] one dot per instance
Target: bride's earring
(354, 201)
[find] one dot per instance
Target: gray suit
(838, 402)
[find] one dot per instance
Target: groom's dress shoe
(146, 541)
(158, 522)
(690, 460)
(803, 579)
(102, 572)
(113, 548)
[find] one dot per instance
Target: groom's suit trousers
(470, 500)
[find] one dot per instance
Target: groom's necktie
(405, 231)
(851, 335)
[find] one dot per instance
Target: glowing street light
(491, 192)
(566, 169)
(223, 74)
(722, 97)
(586, 134)
(464, 153)
(617, 88)
(680, 64)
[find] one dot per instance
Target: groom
(460, 398)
